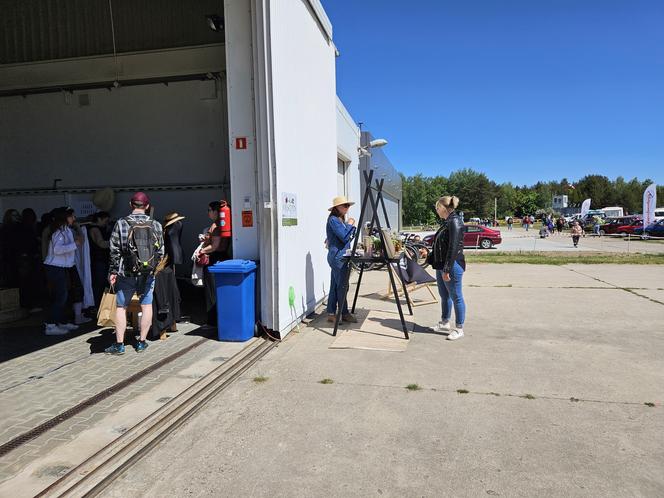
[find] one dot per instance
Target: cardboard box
(9, 300)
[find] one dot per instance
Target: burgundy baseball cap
(140, 197)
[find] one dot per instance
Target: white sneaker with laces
(67, 326)
(455, 334)
(442, 326)
(53, 329)
(82, 319)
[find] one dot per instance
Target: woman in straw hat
(339, 234)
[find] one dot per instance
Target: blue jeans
(339, 269)
(451, 295)
(125, 287)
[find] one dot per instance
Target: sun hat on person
(171, 218)
(338, 201)
(104, 199)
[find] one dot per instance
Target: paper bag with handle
(106, 313)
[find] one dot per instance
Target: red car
(475, 236)
(613, 225)
(629, 228)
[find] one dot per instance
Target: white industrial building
(145, 95)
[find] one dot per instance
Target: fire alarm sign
(240, 143)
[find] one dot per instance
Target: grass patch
(561, 258)
(260, 379)
(574, 400)
(527, 396)
(326, 381)
(413, 387)
(463, 391)
(650, 404)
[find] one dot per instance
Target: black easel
(362, 260)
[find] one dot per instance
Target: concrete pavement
(558, 364)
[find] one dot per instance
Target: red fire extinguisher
(225, 220)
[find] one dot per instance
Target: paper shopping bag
(106, 313)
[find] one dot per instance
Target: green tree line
(477, 193)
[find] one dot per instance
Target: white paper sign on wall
(288, 209)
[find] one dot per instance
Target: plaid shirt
(118, 242)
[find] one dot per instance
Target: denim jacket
(339, 235)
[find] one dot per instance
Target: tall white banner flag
(649, 204)
(585, 207)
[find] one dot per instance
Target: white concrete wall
(140, 135)
(241, 123)
(305, 131)
(348, 141)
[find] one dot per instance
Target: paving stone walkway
(38, 385)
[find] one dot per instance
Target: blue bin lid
(233, 266)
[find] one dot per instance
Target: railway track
(98, 471)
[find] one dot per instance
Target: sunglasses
(345, 205)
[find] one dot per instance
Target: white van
(613, 212)
(659, 213)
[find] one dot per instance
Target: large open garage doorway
(116, 95)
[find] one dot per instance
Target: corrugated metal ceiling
(37, 30)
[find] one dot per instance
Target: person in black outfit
(166, 303)
(448, 261)
(9, 237)
(100, 253)
(29, 264)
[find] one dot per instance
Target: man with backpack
(137, 246)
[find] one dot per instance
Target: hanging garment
(172, 236)
(197, 271)
(84, 270)
(166, 302)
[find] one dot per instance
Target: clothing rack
(368, 197)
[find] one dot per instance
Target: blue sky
(523, 90)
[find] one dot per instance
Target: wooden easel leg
(357, 289)
(396, 298)
(405, 291)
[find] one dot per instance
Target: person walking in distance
(136, 247)
(577, 231)
(448, 260)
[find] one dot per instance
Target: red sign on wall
(247, 219)
(240, 143)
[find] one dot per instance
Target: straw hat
(338, 201)
(104, 199)
(171, 218)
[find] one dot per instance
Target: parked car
(475, 236)
(612, 225)
(629, 228)
(653, 230)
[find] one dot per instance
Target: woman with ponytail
(448, 261)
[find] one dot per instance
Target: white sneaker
(456, 334)
(442, 326)
(67, 326)
(53, 329)
(82, 319)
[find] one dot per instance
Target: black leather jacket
(448, 245)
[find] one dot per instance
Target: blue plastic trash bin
(235, 281)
